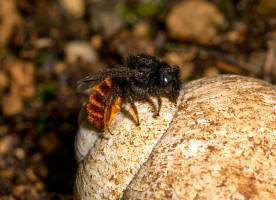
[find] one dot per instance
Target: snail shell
(219, 142)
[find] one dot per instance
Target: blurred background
(47, 45)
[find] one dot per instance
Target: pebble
(76, 7)
(257, 60)
(76, 50)
(97, 41)
(226, 67)
(3, 81)
(49, 143)
(20, 153)
(238, 34)
(19, 190)
(31, 175)
(194, 20)
(267, 8)
(11, 105)
(10, 17)
(210, 71)
(6, 144)
(22, 79)
(4, 130)
(141, 29)
(105, 20)
(60, 67)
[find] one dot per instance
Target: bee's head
(156, 74)
(169, 81)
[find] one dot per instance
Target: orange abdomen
(97, 103)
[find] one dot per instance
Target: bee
(141, 77)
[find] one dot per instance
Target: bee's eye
(165, 80)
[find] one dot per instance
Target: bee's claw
(109, 131)
(104, 137)
(156, 115)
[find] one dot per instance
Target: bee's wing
(83, 85)
(91, 80)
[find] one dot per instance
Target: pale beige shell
(219, 142)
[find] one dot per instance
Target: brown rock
(19, 190)
(194, 20)
(141, 29)
(22, 79)
(3, 81)
(218, 143)
(267, 8)
(80, 50)
(210, 71)
(9, 17)
(7, 143)
(226, 67)
(49, 143)
(7, 197)
(105, 19)
(76, 8)
(11, 105)
(96, 41)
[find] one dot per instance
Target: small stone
(238, 34)
(3, 81)
(39, 185)
(44, 43)
(194, 20)
(20, 153)
(31, 175)
(257, 60)
(11, 105)
(19, 190)
(7, 143)
(76, 7)
(267, 8)
(49, 143)
(80, 50)
(60, 67)
(97, 41)
(42, 171)
(141, 29)
(229, 68)
(7, 173)
(105, 19)
(7, 197)
(4, 130)
(9, 17)
(22, 78)
(210, 71)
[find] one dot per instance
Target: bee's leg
(134, 110)
(133, 107)
(159, 103)
(113, 106)
(107, 114)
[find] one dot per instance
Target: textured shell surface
(219, 142)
